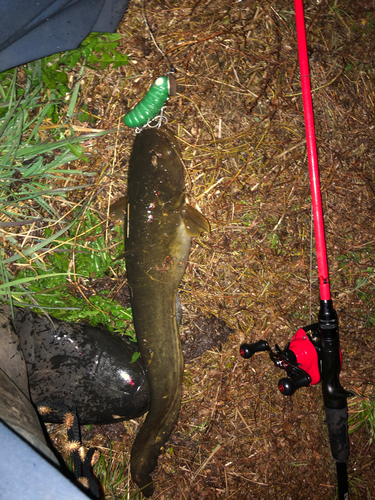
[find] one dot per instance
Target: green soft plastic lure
(150, 106)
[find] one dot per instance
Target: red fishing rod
(313, 354)
(334, 395)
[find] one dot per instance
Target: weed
(32, 165)
(59, 279)
(97, 50)
(113, 478)
(364, 415)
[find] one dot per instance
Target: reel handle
(248, 350)
(288, 386)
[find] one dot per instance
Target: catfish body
(158, 233)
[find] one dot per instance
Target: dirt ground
(238, 116)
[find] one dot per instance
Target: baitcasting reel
(301, 358)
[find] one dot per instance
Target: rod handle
(337, 423)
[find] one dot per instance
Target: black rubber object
(79, 365)
(248, 350)
(288, 386)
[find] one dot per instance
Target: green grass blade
(39, 246)
(23, 281)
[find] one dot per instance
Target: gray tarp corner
(32, 29)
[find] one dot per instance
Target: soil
(238, 116)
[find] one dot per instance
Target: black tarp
(31, 29)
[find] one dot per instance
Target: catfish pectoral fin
(195, 222)
(118, 209)
(122, 255)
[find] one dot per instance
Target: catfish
(159, 226)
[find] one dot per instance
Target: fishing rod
(334, 395)
(313, 355)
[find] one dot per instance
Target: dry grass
(239, 118)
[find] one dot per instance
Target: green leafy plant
(365, 414)
(33, 164)
(69, 266)
(97, 50)
(85, 116)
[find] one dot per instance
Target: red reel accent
(307, 357)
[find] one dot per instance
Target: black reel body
(301, 358)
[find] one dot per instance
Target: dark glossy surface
(16, 409)
(88, 366)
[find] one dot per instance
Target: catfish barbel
(158, 230)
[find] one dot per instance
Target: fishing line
(172, 69)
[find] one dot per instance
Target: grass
(40, 241)
(111, 473)
(98, 50)
(32, 168)
(59, 278)
(364, 414)
(114, 476)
